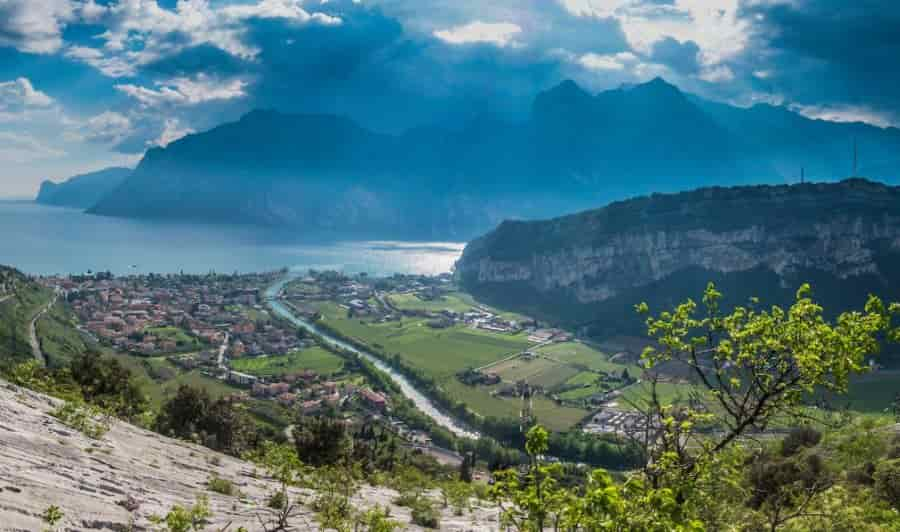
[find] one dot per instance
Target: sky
(86, 84)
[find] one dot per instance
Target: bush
(222, 486)
(887, 482)
(424, 514)
(799, 438)
(86, 419)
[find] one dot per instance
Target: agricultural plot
(439, 352)
(455, 301)
(478, 398)
(315, 359)
(578, 353)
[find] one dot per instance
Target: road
(32, 332)
(222, 349)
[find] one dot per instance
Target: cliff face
(840, 234)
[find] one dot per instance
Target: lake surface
(44, 240)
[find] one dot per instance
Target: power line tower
(526, 415)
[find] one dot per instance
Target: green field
(579, 353)
(182, 339)
(872, 393)
(439, 352)
(455, 301)
(315, 358)
(480, 400)
(60, 340)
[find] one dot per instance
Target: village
(215, 324)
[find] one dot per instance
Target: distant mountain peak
(657, 87)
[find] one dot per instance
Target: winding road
(32, 332)
(408, 389)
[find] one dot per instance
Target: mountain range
(82, 191)
(329, 175)
(589, 269)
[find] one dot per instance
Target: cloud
(106, 128)
(172, 131)
(715, 26)
(20, 94)
(20, 148)
(140, 32)
(34, 26)
(499, 34)
(617, 61)
(186, 91)
(682, 57)
(844, 113)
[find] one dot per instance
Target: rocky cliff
(760, 241)
(117, 482)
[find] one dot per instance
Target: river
(422, 402)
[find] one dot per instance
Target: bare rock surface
(117, 482)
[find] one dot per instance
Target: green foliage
(425, 515)
(51, 516)
(181, 519)
(193, 415)
(222, 486)
(887, 482)
(335, 485)
(88, 419)
(321, 440)
(281, 463)
(105, 382)
(376, 520)
(457, 495)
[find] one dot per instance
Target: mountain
(589, 269)
(328, 174)
(82, 191)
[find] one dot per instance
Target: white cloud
(717, 74)
(35, 26)
(592, 61)
(108, 127)
(713, 24)
(20, 93)
(172, 131)
(845, 113)
(186, 91)
(139, 32)
(500, 34)
(19, 148)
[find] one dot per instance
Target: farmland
(315, 359)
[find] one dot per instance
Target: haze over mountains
(82, 191)
(329, 175)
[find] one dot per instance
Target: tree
(183, 415)
(754, 365)
(105, 382)
(321, 440)
(282, 464)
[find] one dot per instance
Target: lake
(44, 240)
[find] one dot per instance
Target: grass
(871, 393)
(579, 353)
(455, 301)
(438, 352)
(60, 340)
(315, 358)
(666, 391)
(15, 317)
(480, 400)
(183, 341)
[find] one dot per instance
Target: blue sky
(86, 84)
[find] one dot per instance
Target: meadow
(315, 359)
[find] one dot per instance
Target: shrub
(798, 438)
(222, 486)
(424, 514)
(887, 481)
(87, 419)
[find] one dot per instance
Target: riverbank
(422, 402)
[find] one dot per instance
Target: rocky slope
(764, 241)
(43, 463)
(82, 191)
